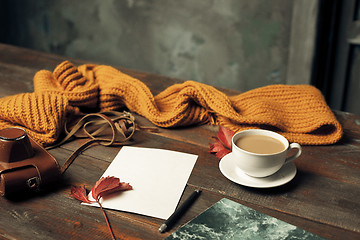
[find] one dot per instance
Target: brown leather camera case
(24, 164)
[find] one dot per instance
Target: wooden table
(323, 198)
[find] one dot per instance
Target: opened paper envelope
(158, 178)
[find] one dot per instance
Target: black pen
(181, 210)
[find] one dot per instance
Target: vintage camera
(24, 164)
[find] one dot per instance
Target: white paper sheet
(158, 178)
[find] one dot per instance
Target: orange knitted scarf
(298, 112)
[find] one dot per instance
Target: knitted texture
(41, 114)
(299, 112)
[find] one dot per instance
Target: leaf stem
(107, 220)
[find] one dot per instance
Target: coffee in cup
(260, 144)
(261, 153)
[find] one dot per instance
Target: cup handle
(296, 155)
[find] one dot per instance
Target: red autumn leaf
(222, 146)
(102, 187)
(220, 154)
(217, 146)
(80, 194)
(108, 185)
(225, 135)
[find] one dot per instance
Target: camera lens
(12, 134)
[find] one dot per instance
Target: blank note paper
(158, 178)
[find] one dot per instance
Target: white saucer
(233, 173)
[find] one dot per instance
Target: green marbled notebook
(227, 220)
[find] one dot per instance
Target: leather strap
(93, 126)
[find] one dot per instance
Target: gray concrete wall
(239, 44)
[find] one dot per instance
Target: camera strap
(105, 128)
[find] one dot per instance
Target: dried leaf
(217, 146)
(102, 187)
(223, 145)
(108, 185)
(225, 135)
(80, 194)
(220, 154)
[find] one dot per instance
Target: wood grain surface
(324, 196)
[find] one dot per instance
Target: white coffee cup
(262, 164)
